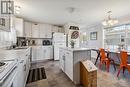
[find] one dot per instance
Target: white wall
(94, 43)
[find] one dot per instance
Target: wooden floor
(56, 78)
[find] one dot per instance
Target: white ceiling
(86, 12)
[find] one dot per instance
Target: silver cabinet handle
(25, 67)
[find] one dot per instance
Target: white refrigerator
(59, 40)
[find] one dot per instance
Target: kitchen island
(70, 61)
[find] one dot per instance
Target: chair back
(124, 58)
(102, 54)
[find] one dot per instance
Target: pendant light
(109, 21)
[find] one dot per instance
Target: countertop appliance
(46, 42)
(59, 40)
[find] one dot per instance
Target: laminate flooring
(56, 78)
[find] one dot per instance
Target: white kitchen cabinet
(39, 53)
(21, 74)
(28, 29)
(69, 64)
(66, 62)
(23, 69)
(42, 31)
(34, 53)
(55, 29)
(47, 52)
(19, 27)
(45, 31)
(42, 53)
(62, 59)
(35, 30)
(48, 31)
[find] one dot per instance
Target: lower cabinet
(42, 53)
(69, 64)
(62, 59)
(23, 69)
(21, 74)
(66, 62)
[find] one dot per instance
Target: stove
(2, 66)
(6, 67)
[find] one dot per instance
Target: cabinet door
(43, 31)
(19, 27)
(47, 52)
(35, 30)
(48, 31)
(40, 54)
(20, 75)
(28, 29)
(62, 59)
(69, 64)
(54, 29)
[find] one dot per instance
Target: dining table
(109, 54)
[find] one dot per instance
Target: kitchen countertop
(75, 49)
(12, 54)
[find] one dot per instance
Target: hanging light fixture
(109, 21)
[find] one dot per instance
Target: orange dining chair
(123, 64)
(104, 59)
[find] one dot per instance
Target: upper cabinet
(57, 29)
(28, 29)
(45, 31)
(35, 30)
(19, 27)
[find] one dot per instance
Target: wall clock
(74, 35)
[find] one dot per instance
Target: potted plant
(72, 43)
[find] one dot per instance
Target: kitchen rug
(36, 74)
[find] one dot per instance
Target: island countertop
(75, 49)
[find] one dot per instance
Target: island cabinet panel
(79, 56)
(62, 59)
(70, 62)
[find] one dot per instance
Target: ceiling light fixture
(109, 21)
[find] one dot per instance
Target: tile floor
(56, 78)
